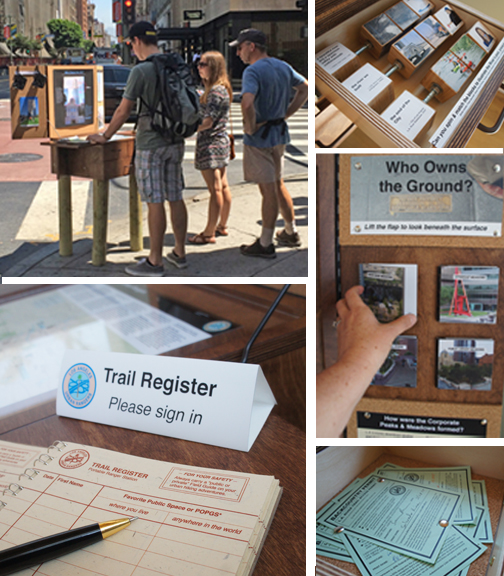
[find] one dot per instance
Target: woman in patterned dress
(212, 146)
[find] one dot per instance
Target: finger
(353, 297)
(342, 308)
(401, 324)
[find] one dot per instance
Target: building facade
(285, 27)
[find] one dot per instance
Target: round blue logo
(79, 386)
(217, 326)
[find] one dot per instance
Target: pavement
(37, 254)
(220, 259)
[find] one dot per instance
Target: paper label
(408, 114)
(219, 403)
(379, 425)
(367, 83)
(334, 57)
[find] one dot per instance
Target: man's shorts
(159, 173)
(263, 165)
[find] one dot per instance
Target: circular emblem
(79, 386)
(397, 490)
(74, 459)
(412, 477)
(217, 326)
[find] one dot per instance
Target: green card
(398, 515)
(452, 479)
(457, 552)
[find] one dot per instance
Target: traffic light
(129, 12)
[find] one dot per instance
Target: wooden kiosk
(341, 250)
(65, 104)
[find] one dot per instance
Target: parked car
(115, 77)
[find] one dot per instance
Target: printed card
(465, 364)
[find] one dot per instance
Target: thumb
(401, 325)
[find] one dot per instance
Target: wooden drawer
(337, 466)
(342, 23)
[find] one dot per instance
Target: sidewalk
(220, 259)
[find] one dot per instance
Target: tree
(66, 34)
(88, 46)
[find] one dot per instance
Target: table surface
(280, 447)
(279, 450)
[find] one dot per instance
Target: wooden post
(135, 207)
(100, 215)
(65, 215)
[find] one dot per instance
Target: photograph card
(449, 19)
(465, 364)
(433, 31)
(400, 368)
(390, 290)
(28, 111)
(466, 50)
(421, 7)
(482, 36)
(452, 71)
(401, 15)
(468, 294)
(414, 48)
(382, 29)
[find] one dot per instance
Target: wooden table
(101, 162)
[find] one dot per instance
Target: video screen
(73, 98)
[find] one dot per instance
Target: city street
(28, 191)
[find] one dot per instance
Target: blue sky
(104, 14)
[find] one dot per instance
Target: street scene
(30, 218)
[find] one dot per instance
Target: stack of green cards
(414, 521)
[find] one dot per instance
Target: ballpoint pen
(45, 549)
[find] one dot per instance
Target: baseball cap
(140, 29)
(250, 35)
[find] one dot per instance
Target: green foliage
(470, 374)
(446, 295)
(88, 45)
(67, 34)
(20, 44)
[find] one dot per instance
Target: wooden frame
(30, 91)
(382, 133)
(56, 132)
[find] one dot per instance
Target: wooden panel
(428, 329)
(330, 13)
(326, 254)
(31, 91)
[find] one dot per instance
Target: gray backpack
(177, 114)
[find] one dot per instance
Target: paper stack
(414, 521)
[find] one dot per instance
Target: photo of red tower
(460, 302)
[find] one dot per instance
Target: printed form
(191, 521)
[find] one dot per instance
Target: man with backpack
(168, 112)
(267, 86)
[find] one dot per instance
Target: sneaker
(178, 261)
(256, 249)
(291, 240)
(144, 268)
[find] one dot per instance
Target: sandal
(201, 239)
(221, 231)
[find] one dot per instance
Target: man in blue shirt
(267, 86)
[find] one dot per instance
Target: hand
(96, 139)
(361, 338)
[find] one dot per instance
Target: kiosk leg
(135, 208)
(100, 215)
(65, 215)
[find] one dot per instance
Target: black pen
(45, 549)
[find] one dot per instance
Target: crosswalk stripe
(41, 220)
